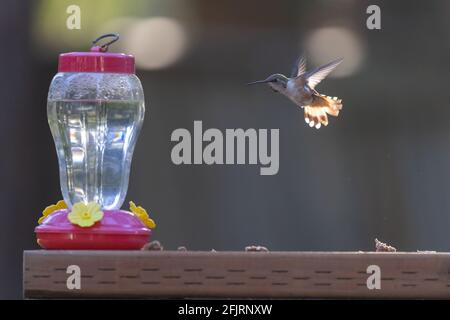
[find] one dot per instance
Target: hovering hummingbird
(300, 88)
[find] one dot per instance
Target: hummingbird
(300, 88)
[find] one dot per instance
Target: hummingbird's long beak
(259, 81)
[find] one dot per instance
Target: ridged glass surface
(95, 138)
(95, 141)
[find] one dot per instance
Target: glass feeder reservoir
(95, 111)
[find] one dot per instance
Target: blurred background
(382, 169)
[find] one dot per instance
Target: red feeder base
(118, 230)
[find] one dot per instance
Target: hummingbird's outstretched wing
(314, 77)
(299, 67)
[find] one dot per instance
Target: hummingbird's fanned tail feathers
(332, 104)
(316, 112)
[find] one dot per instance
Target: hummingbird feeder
(95, 111)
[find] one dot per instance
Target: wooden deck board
(161, 274)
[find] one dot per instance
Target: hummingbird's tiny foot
(307, 120)
(311, 124)
(318, 125)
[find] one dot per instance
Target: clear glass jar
(95, 119)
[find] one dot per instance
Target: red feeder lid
(97, 60)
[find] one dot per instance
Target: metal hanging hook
(104, 47)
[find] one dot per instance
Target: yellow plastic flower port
(52, 208)
(85, 215)
(142, 214)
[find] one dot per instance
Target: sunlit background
(380, 170)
